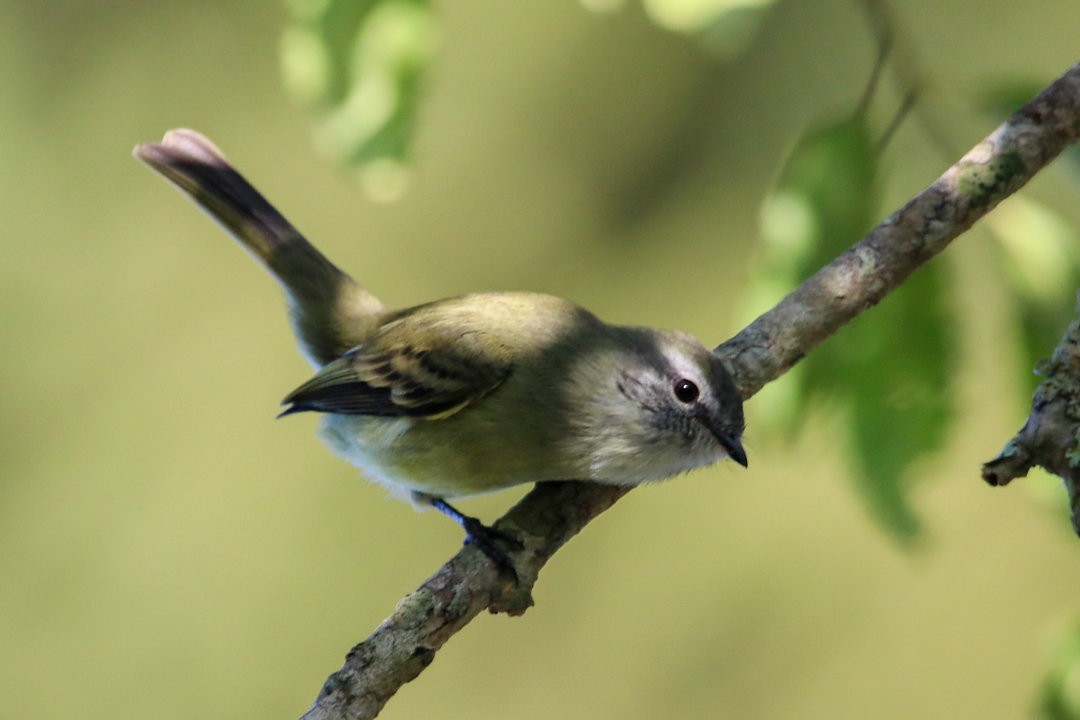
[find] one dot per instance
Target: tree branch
(406, 642)
(1051, 436)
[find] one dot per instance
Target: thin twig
(897, 120)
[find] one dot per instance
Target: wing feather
(414, 366)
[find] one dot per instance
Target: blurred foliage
(1060, 698)
(1040, 257)
(358, 64)
(724, 27)
(889, 371)
(1001, 98)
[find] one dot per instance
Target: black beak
(734, 447)
(730, 440)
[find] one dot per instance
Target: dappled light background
(169, 550)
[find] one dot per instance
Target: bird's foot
(484, 537)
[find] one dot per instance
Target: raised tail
(330, 312)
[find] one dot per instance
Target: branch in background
(552, 513)
(880, 262)
(1051, 436)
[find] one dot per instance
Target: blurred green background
(169, 550)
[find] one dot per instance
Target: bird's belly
(414, 454)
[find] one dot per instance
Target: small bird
(472, 393)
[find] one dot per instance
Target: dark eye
(686, 391)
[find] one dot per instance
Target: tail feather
(195, 166)
(330, 312)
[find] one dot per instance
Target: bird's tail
(330, 312)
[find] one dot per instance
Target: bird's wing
(421, 364)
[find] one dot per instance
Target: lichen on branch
(1051, 436)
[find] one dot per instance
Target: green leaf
(896, 362)
(1038, 251)
(888, 371)
(358, 65)
(1001, 98)
(1060, 696)
(724, 27)
(823, 202)
(832, 172)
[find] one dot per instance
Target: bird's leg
(477, 533)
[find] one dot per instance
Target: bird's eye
(686, 391)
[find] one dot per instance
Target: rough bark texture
(1050, 436)
(880, 262)
(406, 642)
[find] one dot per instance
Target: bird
(473, 393)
